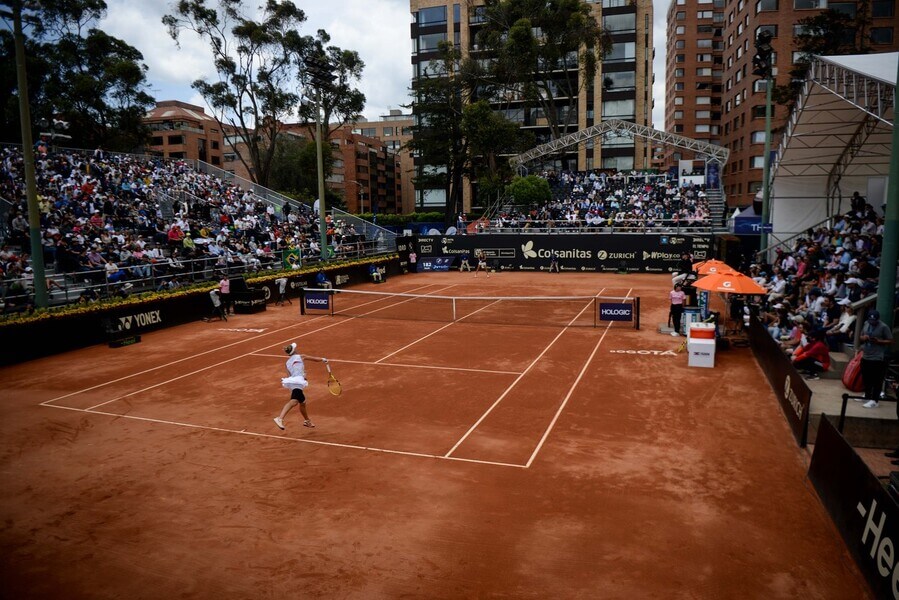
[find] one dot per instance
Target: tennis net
(557, 311)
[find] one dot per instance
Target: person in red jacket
(813, 358)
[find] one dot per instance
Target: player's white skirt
(294, 383)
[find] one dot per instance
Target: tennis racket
(333, 384)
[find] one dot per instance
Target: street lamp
(361, 196)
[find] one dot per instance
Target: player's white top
(297, 370)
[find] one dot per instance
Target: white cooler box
(701, 345)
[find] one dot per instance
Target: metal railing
(582, 226)
(380, 238)
(91, 285)
(766, 252)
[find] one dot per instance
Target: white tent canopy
(837, 141)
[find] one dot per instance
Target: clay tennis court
(463, 460)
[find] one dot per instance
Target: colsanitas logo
(527, 249)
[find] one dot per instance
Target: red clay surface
(461, 461)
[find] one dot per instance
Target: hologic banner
(648, 253)
(317, 300)
(864, 512)
(615, 312)
(436, 263)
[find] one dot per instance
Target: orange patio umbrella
(712, 266)
(730, 282)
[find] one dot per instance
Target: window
(679, 86)
(620, 23)
(477, 15)
(624, 80)
(369, 131)
(703, 100)
(680, 30)
(230, 156)
(614, 3)
(758, 111)
(621, 52)
(881, 35)
(703, 114)
(457, 13)
(757, 137)
(760, 85)
(704, 14)
(801, 4)
(847, 8)
(702, 129)
(704, 72)
(619, 109)
(757, 162)
(431, 16)
(678, 100)
(764, 5)
(703, 58)
(703, 43)
(176, 139)
(678, 128)
(387, 131)
(678, 72)
(772, 29)
(883, 8)
(680, 44)
(429, 42)
(156, 141)
(679, 58)
(678, 114)
(680, 16)
(215, 145)
(430, 68)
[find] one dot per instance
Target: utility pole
(321, 75)
(889, 255)
(34, 216)
(761, 63)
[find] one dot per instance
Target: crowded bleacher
(600, 201)
(117, 224)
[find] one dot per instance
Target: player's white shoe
(279, 422)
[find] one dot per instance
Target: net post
(637, 312)
(454, 310)
(332, 299)
(595, 311)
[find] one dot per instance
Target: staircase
(717, 208)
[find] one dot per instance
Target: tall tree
(257, 63)
(79, 74)
(827, 33)
(441, 149)
(490, 137)
(342, 102)
(542, 52)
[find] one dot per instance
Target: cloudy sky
(377, 29)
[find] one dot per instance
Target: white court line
(206, 368)
(424, 337)
(281, 437)
(191, 357)
(517, 379)
(411, 366)
(571, 390)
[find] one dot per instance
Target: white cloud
(377, 29)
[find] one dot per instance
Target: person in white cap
(296, 382)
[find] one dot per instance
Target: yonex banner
(436, 263)
(609, 311)
(622, 252)
(317, 300)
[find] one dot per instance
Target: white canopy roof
(837, 141)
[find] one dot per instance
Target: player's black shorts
(298, 395)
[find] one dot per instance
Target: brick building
(712, 94)
(182, 130)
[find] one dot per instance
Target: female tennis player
(296, 383)
(482, 263)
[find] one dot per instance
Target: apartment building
(621, 89)
(182, 130)
(712, 94)
(395, 131)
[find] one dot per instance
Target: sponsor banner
(646, 253)
(791, 390)
(436, 263)
(864, 512)
(609, 311)
(317, 300)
